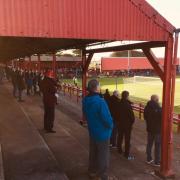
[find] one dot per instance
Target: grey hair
(154, 97)
(116, 93)
(93, 85)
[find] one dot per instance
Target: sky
(170, 9)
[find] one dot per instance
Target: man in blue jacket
(100, 127)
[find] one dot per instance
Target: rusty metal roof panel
(83, 19)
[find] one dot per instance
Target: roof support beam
(151, 44)
(154, 62)
(88, 61)
(166, 171)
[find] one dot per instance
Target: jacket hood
(153, 104)
(92, 98)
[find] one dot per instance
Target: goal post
(146, 79)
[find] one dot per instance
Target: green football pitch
(140, 88)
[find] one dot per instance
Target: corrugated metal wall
(110, 64)
(83, 19)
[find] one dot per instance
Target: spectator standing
(20, 84)
(40, 78)
(14, 75)
(107, 96)
(75, 81)
(1, 74)
(153, 118)
(35, 82)
(100, 127)
(29, 82)
(125, 123)
(114, 109)
(7, 71)
(48, 87)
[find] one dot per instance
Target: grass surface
(139, 91)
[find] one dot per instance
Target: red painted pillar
(30, 63)
(39, 62)
(175, 62)
(84, 77)
(84, 81)
(178, 128)
(167, 136)
(54, 64)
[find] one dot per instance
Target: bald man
(153, 118)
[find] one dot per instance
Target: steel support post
(54, 64)
(167, 136)
(39, 62)
(84, 81)
(154, 62)
(88, 61)
(84, 77)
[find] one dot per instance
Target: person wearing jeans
(125, 124)
(100, 125)
(114, 109)
(153, 118)
(156, 140)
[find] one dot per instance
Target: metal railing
(75, 93)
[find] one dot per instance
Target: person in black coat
(153, 118)
(14, 74)
(124, 124)
(107, 96)
(114, 109)
(48, 87)
(35, 82)
(20, 84)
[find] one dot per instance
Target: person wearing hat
(100, 127)
(48, 87)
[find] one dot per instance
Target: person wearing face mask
(153, 118)
(100, 127)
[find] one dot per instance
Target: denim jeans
(99, 158)
(154, 139)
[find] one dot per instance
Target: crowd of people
(111, 118)
(36, 83)
(24, 80)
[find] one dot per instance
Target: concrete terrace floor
(29, 153)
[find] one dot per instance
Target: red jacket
(48, 87)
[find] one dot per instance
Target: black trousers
(49, 115)
(124, 134)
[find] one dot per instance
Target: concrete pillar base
(165, 175)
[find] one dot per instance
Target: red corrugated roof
(83, 19)
(39, 26)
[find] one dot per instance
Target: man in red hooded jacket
(48, 87)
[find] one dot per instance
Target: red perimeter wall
(136, 63)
